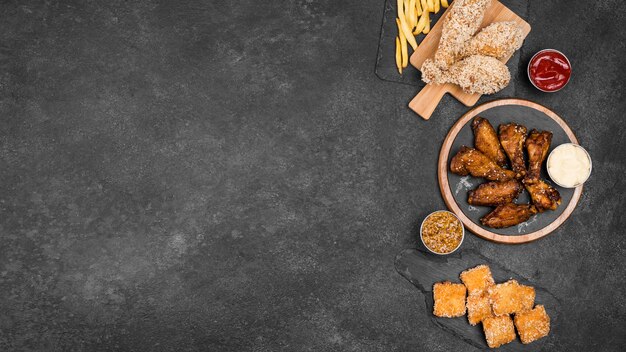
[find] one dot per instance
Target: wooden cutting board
(428, 98)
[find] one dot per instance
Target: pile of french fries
(413, 19)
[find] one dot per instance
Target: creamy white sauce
(569, 165)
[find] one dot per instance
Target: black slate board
(386, 60)
(460, 185)
(423, 270)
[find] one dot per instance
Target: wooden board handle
(426, 100)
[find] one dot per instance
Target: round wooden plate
(454, 188)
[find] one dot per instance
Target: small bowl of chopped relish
(442, 232)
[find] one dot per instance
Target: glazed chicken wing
(512, 138)
(471, 161)
(474, 74)
(499, 40)
(495, 193)
(537, 145)
(542, 194)
(486, 140)
(462, 21)
(508, 215)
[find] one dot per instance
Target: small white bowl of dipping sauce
(569, 165)
(442, 232)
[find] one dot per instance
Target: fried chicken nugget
(462, 21)
(499, 40)
(533, 324)
(449, 299)
(477, 279)
(474, 74)
(478, 308)
(498, 330)
(511, 297)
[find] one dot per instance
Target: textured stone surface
(232, 176)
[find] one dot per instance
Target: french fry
(407, 32)
(398, 56)
(405, 55)
(405, 52)
(431, 6)
(404, 25)
(444, 4)
(418, 7)
(437, 3)
(405, 10)
(427, 27)
(411, 16)
(421, 24)
(413, 13)
(424, 5)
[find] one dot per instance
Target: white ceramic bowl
(462, 228)
(579, 147)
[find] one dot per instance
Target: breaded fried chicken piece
(462, 21)
(499, 40)
(432, 74)
(474, 74)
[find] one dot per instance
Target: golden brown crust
(477, 279)
(533, 324)
(511, 297)
(499, 40)
(478, 308)
(498, 330)
(474, 74)
(449, 299)
(479, 74)
(431, 73)
(463, 20)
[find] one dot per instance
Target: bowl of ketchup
(549, 70)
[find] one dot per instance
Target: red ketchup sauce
(549, 70)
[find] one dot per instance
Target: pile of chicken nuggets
(493, 305)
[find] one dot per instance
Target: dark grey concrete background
(232, 176)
